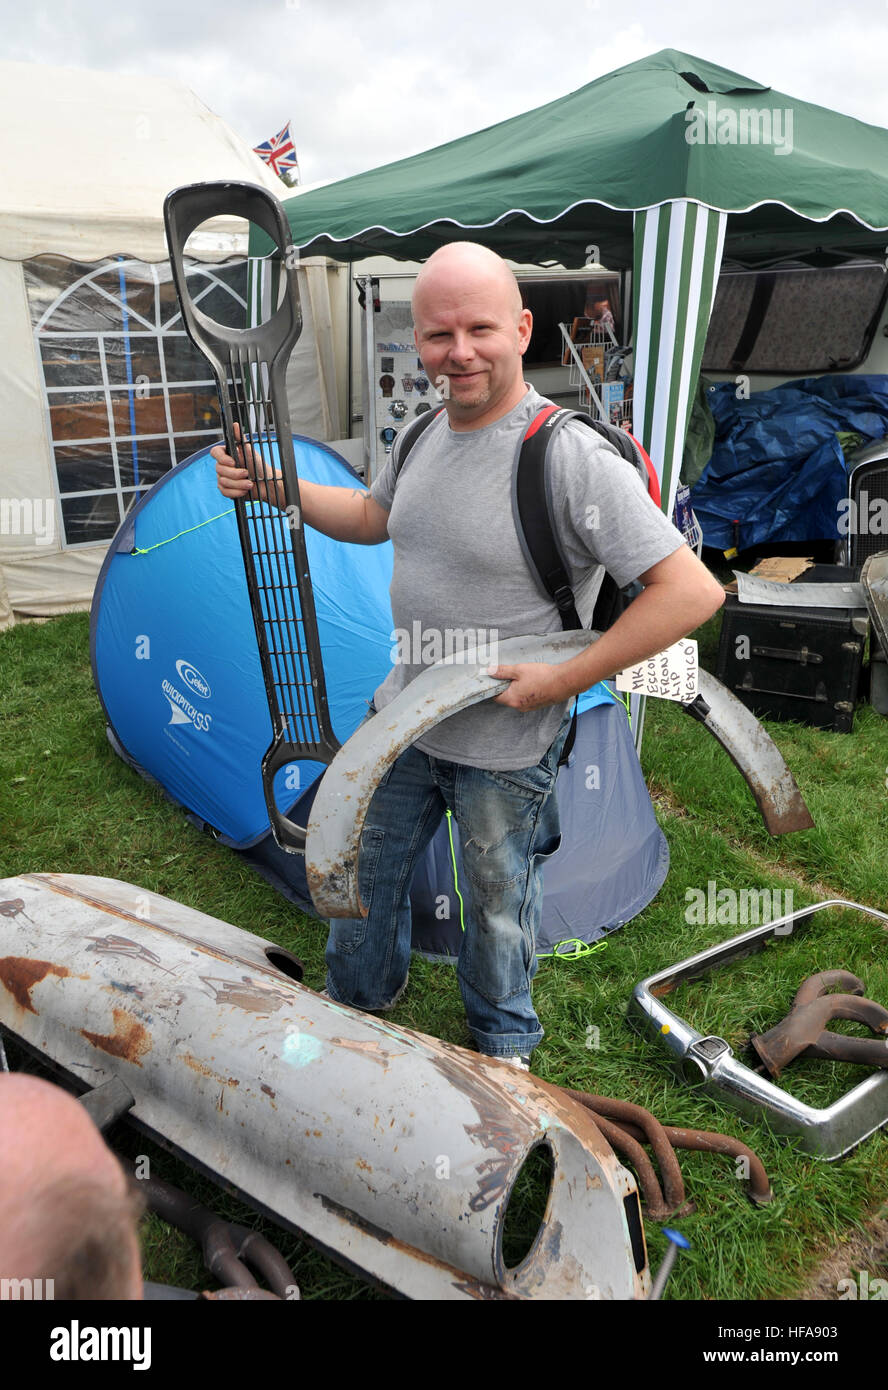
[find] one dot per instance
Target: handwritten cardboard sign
(670, 675)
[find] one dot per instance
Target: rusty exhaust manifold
(803, 1032)
(626, 1127)
(230, 1252)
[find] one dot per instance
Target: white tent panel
(26, 476)
(7, 617)
(129, 141)
(45, 585)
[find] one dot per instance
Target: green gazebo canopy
(671, 165)
(800, 182)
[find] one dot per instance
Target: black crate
(794, 663)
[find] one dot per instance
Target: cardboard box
(593, 361)
(782, 568)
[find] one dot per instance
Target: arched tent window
(126, 393)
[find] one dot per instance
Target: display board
(396, 387)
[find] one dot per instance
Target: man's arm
(679, 594)
(345, 514)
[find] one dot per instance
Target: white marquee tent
(100, 392)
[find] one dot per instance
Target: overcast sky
(368, 81)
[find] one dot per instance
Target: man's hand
(248, 476)
(679, 594)
(534, 684)
(345, 514)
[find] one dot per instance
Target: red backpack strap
(653, 482)
(540, 419)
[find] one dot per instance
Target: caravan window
(794, 322)
(127, 395)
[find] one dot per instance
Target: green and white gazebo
(670, 167)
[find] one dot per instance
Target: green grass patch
(68, 804)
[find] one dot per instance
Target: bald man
(459, 567)
(67, 1213)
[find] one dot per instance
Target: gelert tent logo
(182, 711)
(193, 679)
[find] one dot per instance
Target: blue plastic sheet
(777, 467)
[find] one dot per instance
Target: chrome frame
(709, 1062)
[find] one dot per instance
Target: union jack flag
(279, 152)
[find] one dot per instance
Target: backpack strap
(534, 521)
(532, 505)
(533, 508)
(409, 435)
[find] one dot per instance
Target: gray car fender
(343, 799)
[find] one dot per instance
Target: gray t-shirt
(459, 570)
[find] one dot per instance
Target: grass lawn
(68, 804)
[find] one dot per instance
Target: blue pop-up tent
(177, 669)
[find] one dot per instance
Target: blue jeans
(508, 823)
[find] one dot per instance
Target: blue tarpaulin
(777, 467)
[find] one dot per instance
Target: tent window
(68, 362)
(794, 321)
(90, 519)
(138, 411)
(127, 395)
(221, 300)
(145, 460)
(84, 467)
(137, 298)
(127, 360)
(194, 408)
(78, 415)
(187, 444)
(183, 361)
(168, 304)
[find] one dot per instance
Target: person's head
(67, 1211)
(471, 332)
(600, 307)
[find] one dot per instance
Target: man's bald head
(471, 333)
(463, 264)
(65, 1207)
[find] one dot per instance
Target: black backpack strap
(409, 435)
(531, 501)
(532, 504)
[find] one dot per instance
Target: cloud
(365, 84)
